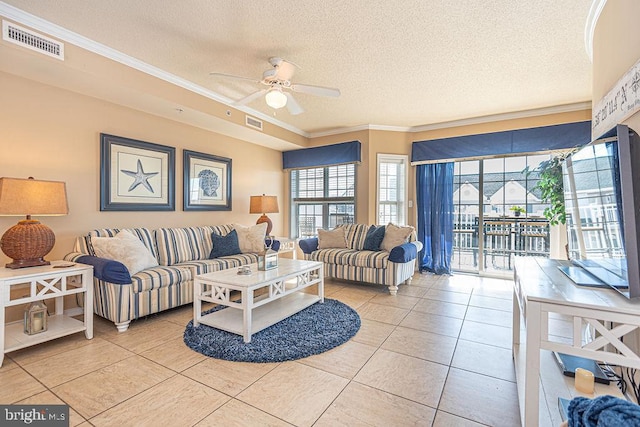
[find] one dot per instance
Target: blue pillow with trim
(374, 237)
(224, 245)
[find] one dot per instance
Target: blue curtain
(434, 187)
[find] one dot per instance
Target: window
(322, 198)
(392, 189)
(487, 231)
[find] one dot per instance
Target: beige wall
(616, 47)
(54, 134)
(504, 125)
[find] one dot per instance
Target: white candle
(585, 381)
(36, 325)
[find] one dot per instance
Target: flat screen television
(602, 200)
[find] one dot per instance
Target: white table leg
(87, 281)
(59, 305)
(4, 298)
(532, 368)
(321, 284)
(197, 302)
(247, 307)
(515, 324)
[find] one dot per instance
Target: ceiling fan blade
(292, 105)
(230, 76)
(252, 97)
(316, 90)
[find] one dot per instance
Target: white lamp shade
(275, 98)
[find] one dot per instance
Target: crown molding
(590, 26)
(567, 108)
(39, 24)
(338, 131)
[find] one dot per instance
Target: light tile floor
(438, 354)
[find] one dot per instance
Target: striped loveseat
(389, 268)
(182, 253)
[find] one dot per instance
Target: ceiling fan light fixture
(275, 98)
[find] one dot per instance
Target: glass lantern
(268, 260)
(35, 318)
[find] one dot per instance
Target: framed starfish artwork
(136, 175)
(207, 182)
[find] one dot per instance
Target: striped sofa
(182, 253)
(354, 263)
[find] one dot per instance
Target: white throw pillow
(395, 236)
(125, 248)
(335, 238)
(251, 239)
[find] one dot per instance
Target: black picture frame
(206, 182)
(136, 175)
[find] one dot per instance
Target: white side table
(38, 284)
(540, 289)
(287, 245)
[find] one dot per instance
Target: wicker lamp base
(27, 243)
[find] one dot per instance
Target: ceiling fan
(278, 80)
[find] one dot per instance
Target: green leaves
(551, 188)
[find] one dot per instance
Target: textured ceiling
(405, 63)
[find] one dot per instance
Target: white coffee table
(281, 298)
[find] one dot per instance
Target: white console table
(54, 281)
(540, 289)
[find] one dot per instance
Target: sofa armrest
(405, 252)
(275, 244)
(308, 245)
(73, 256)
(107, 270)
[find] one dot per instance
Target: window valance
(326, 155)
(547, 138)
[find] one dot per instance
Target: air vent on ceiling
(31, 40)
(253, 122)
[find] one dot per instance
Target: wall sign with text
(621, 102)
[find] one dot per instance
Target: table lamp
(29, 241)
(264, 205)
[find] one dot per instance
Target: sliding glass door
(498, 214)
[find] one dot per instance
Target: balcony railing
(502, 237)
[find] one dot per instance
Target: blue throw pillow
(224, 245)
(374, 238)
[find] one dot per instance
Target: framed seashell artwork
(207, 182)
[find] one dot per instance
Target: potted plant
(551, 187)
(517, 210)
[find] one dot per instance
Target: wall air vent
(253, 122)
(31, 40)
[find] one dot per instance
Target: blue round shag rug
(314, 330)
